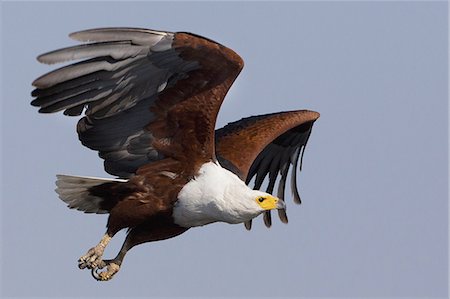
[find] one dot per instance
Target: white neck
(215, 194)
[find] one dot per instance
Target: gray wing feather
(280, 192)
(71, 86)
(74, 101)
(248, 224)
(116, 50)
(135, 35)
(78, 70)
(294, 188)
(124, 71)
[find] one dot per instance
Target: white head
(247, 203)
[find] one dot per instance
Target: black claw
(81, 264)
(94, 274)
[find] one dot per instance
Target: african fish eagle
(150, 101)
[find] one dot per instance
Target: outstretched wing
(145, 94)
(266, 145)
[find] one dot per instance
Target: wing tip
(248, 225)
(34, 84)
(283, 216)
(267, 219)
(310, 115)
(41, 82)
(80, 35)
(297, 200)
(45, 59)
(314, 114)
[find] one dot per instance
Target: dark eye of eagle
(261, 199)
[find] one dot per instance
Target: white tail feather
(74, 190)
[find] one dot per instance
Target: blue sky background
(374, 218)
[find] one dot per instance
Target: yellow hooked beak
(270, 202)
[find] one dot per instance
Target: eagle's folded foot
(112, 267)
(93, 258)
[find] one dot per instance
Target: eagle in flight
(150, 100)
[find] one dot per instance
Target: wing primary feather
(294, 189)
(248, 224)
(83, 98)
(264, 167)
(80, 69)
(135, 35)
(259, 180)
(91, 87)
(73, 84)
(304, 147)
(283, 216)
(74, 111)
(273, 174)
(267, 219)
(282, 183)
(281, 190)
(117, 50)
(45, 101)
(253, 169)
(260, 164)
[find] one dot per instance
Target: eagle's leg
(134, 237)
(148, 232)
(93, 258)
